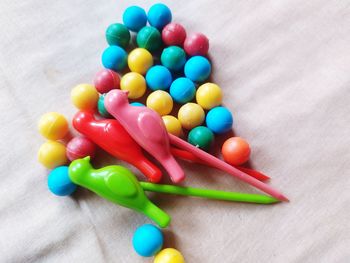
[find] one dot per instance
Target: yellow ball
(169, 255)
(52, 154)
(135, 83)
(160, 101)
(209, 95)
(140, 60)
(53, 126)
(172, 125)
(191, 115)
(84, 97)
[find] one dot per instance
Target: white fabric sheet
(284, 69)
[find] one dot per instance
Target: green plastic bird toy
(118, 185)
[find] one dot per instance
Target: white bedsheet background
(284, 69)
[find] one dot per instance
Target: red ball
(106, 80)
(173, 34)
(196, 44)
(235, 151)
(80, 147)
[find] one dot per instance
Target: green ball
(149, 38)
(173, 57)
(118, 35)
(101, 107)
(201, 137)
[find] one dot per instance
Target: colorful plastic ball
(173, 57)
(101, 107)
(159, 15)
(53, 126)
(52, 154)
(147, 240)
(169, 255)
(191, 115)
(106, 80)
(59, 182)
(182, 90)
(235, 151)
(140, 60)
(196, 44)
(209, 95)
(134, 18)
(219, 120)
(158, 78)
(114, 57)
(201, 137)
(137, 104)
(118, 34)
(160, 101)
(84, 97)
(80, 147)
(149, 38)
(172, 125)
(173, 34)
(134, 83)
(197, 69)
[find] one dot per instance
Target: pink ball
(80, 147)
(105, 80)
(173, 34)
(196, 44)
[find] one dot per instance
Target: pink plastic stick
(226, 167)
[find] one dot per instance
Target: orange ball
(235, 151)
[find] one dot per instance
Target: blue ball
(159, 15)
(219, 120)
(182, 90)
(197, 68)
(147, 240)
(59, 182)
(134, 18)
(137, 104)
(173, 57)
(114, 58)
(158, 77)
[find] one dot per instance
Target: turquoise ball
(114, 57)
(182, 90)
(59, 182)
(101, 107)
(197, 68)
(134, 18)
(159, 15)
(147, 240)
(173, 57)
(219, 120)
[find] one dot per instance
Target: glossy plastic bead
(101, 107)
(114, 57)
(149, 38)
(173, 57)
(182, 90)
(59, 182)
(201, 137)
(158, 78)
(197, 69)
(137, 104)
(196, 44)
(118, 34)
(147, 240)
(235, 151)
(169, 255)
(134, 83)
(53, 126)
(134, 18)
(84, 97)
(219, 120)
(172, 125)
(140, 60)
(106, 80)
(160, 101)
(209, 95)
(173, 34)
(80, 147)
(159, 15)
(52, 154)
(191, 115)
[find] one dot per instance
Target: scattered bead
(149, 38)
(196, 44)
(134, 83)
(118, 34)
(140, 60)
(53, 126)
(147, 240)
(173, 34)
(160, 101)
(235, 151)
(219, 120)
(52, 154)
(182, 90)
(59, 182)
(84, 97)
(169, 255)
(159, 15)
(158, 78)
(172, 125)
(106, 80)
(209, 95)
(134, 18)
(101, 107)
(137, 104)
(80, 147)
(197, 69)
(173, 57)
(191, 115)
(114, 57)
(201, 137)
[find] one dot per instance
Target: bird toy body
(147, 129)
(114, 139)
(118, 185)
